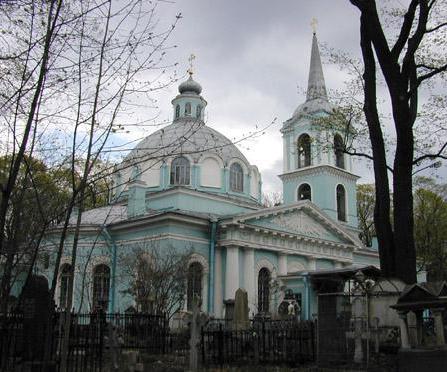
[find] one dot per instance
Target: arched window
(341, 203)
(263, 290)
(236, 178)
(195, 273)
(101, 283)
(198, 111)
(188, 109)
(304, 192)
(177, 111)
(63, 288)
(338, 149)
(180, 171)
(304, 158)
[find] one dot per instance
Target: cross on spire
(191, 58)
(314, 24)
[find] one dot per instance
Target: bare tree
(157, 277)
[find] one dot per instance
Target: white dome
(188, 137)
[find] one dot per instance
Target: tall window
(188, 109)
(64, 279)
(198, 111)
(304, 151)
(177, 111)
(263, 290)
(195, 273)
(101, 283)
(236, 178)
(338, 149)
(180, 171)
(341, 203)
(304, 192)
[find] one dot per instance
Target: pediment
(416, 293)
(303, 221)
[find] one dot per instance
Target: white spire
(316, 88)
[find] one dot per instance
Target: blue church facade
(187, 187)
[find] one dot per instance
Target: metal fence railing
(261, 341)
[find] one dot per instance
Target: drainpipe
(307, 293)
(212, 250)
(112, 245)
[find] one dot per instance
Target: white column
(282, 264)
(218, 288)
(232, 272)
(439, 327)
(405, 342)
(311, 263)
(249, 278)
(338, 265)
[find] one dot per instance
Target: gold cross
(191, 58)
(314, 24)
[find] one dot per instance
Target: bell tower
(314, 166)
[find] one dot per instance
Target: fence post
(220, 344)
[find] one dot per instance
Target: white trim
(196, 257)
(96, 261)
(317, 169)
(295, 266)
(162, 237)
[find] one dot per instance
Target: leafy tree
(430, 233)
(365, 212)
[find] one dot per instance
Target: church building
(189, 188)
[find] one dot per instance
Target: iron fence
(262, 341)
(94, 340)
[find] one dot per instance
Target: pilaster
(232, 272)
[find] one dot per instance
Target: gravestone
(229, 309)
(240, 319)
(37, 307)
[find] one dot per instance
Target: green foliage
(365, 212)
(430, 219)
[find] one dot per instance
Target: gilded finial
(191, 58)
(314, 24)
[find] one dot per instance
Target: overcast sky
(252, 60)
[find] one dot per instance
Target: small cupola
(189, 104)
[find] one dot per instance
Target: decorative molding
(319, 169)
(286, 243)
(195, 257)
(293, 267)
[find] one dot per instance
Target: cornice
(310, 208)
(319, 169)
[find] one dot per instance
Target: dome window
(304, 192)
(338, 149)
(198, 111)
(188, 109)
(236, 178)
(177, 111)
(304, 151)
(341, 203)
(180, 171)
